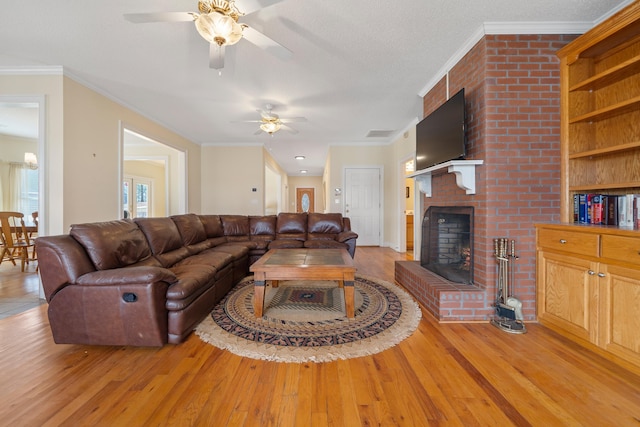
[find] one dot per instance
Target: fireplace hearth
(447, 242)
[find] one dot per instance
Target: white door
(362, 203)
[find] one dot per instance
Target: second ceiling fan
(271, 123)
(218, 24)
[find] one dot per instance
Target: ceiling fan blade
(264, 42)
(216, 56)
(246, 121)
(267, 114)
(294, 120)
(250, 6)
(289, 129)
(142, 18)
(258, 132)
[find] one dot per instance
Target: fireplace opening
(447, 242)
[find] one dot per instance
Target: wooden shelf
(608, 186)
(605, 151)
(610, 76)
(620, 108)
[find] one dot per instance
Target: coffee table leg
(258, 297)
(349, 298)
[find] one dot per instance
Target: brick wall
(512, 95)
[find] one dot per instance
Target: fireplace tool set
(508, 308)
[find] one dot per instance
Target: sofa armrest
(346, 235)
(127, 276)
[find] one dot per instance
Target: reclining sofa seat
(204, 277)
(103, 286)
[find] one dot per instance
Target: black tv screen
(441, 136)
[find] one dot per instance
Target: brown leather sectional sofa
(150, 281)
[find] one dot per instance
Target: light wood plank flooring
(19, 291)
(444, 374)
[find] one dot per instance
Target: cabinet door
(568, 294)
(620, 312)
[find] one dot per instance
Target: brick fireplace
(511, 87)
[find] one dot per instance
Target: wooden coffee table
(304, 264)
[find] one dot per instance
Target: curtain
(17, 187)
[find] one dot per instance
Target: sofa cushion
(324, 226)
(236, 250)
(112, 244)
(164, 239)
(190, 228)
(324, 244)
(212, 225)
(262, 225)
(235, 225)
(217, 260)
(193, 280)
(286, 244)
(291, 226)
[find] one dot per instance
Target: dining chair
(14, 237)
(33, 234)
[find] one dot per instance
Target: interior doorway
(158, 171)
(22, 174)
(305, 200)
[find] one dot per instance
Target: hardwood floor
(19, 291)
(444, 374)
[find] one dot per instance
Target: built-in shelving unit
(600, 110)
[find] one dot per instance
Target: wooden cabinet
(588, 277)
(588, 287)
(409, 232)
(600, 110)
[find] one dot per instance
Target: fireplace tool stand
(508, 308)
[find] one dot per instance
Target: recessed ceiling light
(299, 157)
(303, 171)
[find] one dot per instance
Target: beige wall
(92, 127)
(82, 150)
(228, 176)
(314, 182)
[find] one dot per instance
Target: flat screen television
(441, 136)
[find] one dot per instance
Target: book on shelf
(617, 210)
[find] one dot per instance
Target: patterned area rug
(304, 321)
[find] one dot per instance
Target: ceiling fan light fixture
(271, 127)
(217, 28)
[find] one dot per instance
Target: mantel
(465, 171)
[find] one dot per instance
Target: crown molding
(32, 71)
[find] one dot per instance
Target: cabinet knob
(562, 241)
(601, 275)
(591, 272)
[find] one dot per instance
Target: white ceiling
(357, 66)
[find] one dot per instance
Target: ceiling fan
(218, 24)
(271, 123)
